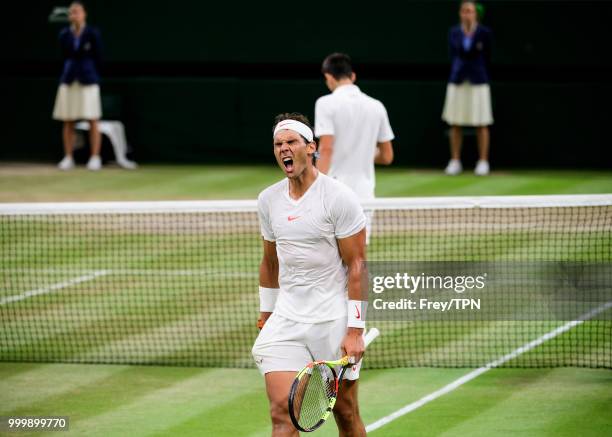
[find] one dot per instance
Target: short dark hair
(338, 65)
(302, 119)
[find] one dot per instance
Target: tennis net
(175, 283)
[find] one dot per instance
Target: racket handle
(371, 336)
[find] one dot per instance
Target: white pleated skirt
(77, 102)
(468, 105)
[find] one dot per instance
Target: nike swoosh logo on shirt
(293, 217)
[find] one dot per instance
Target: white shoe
(454, 167)
(66, 164)
(482, 168)
(94, 163)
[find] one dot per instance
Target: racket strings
(313, 395)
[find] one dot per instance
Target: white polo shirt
(358, 122)
(312, 278)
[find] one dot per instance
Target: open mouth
(288, 163)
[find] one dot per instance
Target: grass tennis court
(153, 400)
(44, 183)
(160, 401)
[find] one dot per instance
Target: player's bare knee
(345, 411)
(279, 413)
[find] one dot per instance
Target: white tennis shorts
(287, 346)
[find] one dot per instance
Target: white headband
(296, 126)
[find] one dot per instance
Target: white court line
(495, 363)
(54, 287)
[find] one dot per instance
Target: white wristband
(357, 313)
(267, 299)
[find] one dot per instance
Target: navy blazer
(82, 63)
(471, 65)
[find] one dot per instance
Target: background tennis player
(313, 231)
(353, 130)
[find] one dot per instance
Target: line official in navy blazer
(78, 95)
(468, 95)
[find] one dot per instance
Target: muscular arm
(384, 153)
(352, 251)
(326, 148)
(268, 270)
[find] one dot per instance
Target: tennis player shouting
(313, 231)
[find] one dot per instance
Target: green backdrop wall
(200, 82)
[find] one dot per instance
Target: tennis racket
(314, 390)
